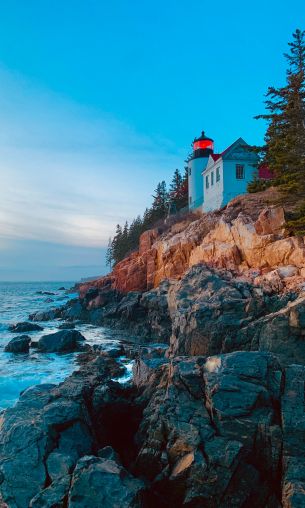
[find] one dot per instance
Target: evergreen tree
(135, 230)
(284, 149)
(117, 252)
(147, 219)
(109, 254)
(175, 191)
(159, 207)
(125, 239)
(184, 194)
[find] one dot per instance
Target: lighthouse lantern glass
(202, 144)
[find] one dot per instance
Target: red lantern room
(203, 146)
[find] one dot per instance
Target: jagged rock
(54, 496)
(74, 311)
(219, 431)
(271, 220)
(280, 332)
(19, 344)
(47, 431)
(25, 327)
(145, 315)
(64, 341)
(100, 482)
(271, 282)
(293, 421)
(147, 239)
(208, 309)
(245, 235)
(203, 427)
(143, 369)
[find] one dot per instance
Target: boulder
(98, 482)
(47, 315)
(25, 327)
(64, 341)
(18, 345)
(271, 220)
(287, 271)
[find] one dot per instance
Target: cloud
(68, 173)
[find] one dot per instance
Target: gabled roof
(226, 153)
(215, 156)
(239, 141)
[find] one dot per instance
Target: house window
(217, 175)
(190, 200)
(240, 171)
(212, 178)
(190, 171)
(207, 181)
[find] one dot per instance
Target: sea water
(19, 371)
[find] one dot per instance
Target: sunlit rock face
(247, 238)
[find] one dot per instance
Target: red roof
(215, 156)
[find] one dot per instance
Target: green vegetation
(284, 149)
(126, 238)
(258, 184)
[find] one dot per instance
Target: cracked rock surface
(218, 431)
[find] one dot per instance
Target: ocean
(19, 371)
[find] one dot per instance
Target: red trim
(216, 156)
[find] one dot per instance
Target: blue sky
(100, 100)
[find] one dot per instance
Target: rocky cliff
(219, 431)
(247, 238)
(214, 415)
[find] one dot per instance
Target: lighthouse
(203, 147)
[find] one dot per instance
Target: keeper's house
(216, 178)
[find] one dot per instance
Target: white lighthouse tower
(203, 147)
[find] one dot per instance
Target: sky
(100, 100)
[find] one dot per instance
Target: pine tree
(284, 149)
(135, 230)
(159, 207)
(125, 247)
(184, 194)
(175, 191)
(109, 253)
(117, 245)
(147, 221)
